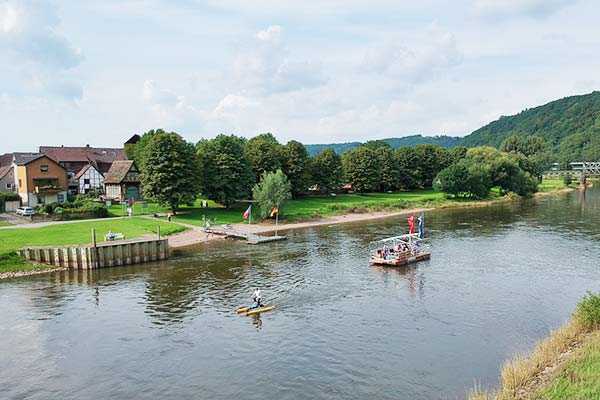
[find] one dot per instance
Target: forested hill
(407, 141)
(554, 122)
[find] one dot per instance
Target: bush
(588, 311)
(567, 179)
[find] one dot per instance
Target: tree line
(230, 168)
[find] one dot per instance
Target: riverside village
(316, 200)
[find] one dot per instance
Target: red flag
(246, 214)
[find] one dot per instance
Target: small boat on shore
(252, 311)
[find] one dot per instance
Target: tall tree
(264, 154)
(226, 173)
(136, 152)
(296, 166)
(362, 169)
(271, 192)
(430, 160)
(170, 172)
(406, 160)
(326, 170)
(389, 170)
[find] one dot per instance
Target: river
(500, 278)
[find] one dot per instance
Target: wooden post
(94, 237)
(276, 220)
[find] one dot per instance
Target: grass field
(316, 206)
(312, 207)
(80, 232)
(580, 379)
(549, 185)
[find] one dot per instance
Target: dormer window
(44, 168)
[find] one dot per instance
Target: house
(89, 178)
(7, 179)
(75, 159)
(39, 179)
(122, 181)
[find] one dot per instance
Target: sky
(78, 72)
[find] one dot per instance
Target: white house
(89, 178)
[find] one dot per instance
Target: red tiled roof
(118, 171)
(85, 154)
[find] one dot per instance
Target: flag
(274, 211)
(411, 224)
(246, 214)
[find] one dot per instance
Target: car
(25, 211)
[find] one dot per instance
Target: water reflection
(499, 279)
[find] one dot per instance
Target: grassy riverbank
(566, 365)
(315, 207)
(72, 233)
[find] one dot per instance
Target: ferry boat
(404, 249)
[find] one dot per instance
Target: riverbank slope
(566, 365)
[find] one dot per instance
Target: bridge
(579, 168)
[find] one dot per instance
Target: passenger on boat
(256, 298)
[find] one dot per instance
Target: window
(44, 168)
(61, 198)
(20, 183)
(86, 181)
(9, 186)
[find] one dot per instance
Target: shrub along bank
(566, 365)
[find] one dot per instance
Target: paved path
(51, 223)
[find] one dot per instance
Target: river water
(500, 278)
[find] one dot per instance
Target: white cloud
(531, 8)
(426, 59)
(266, 66)
(29, 35)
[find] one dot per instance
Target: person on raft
(256, 298)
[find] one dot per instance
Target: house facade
(39, 179)
(89, 179)
(122, 181)
(76, 159)
(7, 179)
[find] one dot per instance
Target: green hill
(407, 141)
(571, 125)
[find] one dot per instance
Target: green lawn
(549, 185)
(80, 232)
(316, 206)
(580, 379)
(13, 263)
(4, 223)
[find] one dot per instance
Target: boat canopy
(404, 238)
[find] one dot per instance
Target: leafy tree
(170, 174)
(296, 166)
(271, 192)
(136, 152)
(362, 169)
(429, 161)
(406, 161)
(226, 173)
(326, 170)
(505, 171)
(457, 153)
(389, 171)
(464, 179)
(264, 154)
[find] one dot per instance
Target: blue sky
(95, 72)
